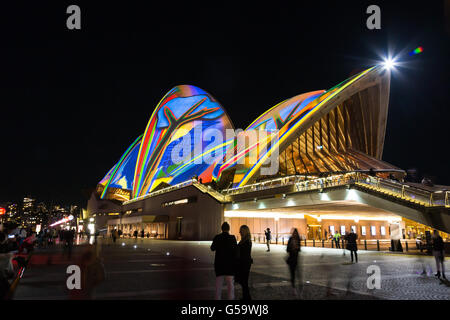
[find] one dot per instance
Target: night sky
(72, 101)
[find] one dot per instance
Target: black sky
(72, 101)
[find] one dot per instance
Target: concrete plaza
(158, 269)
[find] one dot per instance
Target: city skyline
(31, 211)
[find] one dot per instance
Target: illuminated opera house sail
(187, 157)
(148, 162)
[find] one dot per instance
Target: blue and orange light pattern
(121, 175)
(183, 111)
(276, 117)
(286, 117)
(271, 120)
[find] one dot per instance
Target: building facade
(313, 162)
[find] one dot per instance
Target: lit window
(331, 229)
(363, 230)
(343, 230)
(373, 230)
(383, 230)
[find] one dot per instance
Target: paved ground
(156, 269)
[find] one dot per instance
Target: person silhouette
(438, 253)
(225, 246)
(351, 244)
(268, 235)
(293, 249)
(244, 260)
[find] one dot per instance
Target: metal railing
(165, 190)
(194, 182)
(404, 191)
(214, 193)
(301, 183)
(304, 183)
(363, 244)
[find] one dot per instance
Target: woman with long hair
(244, 260)
(293, 248)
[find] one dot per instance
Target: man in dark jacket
(351, 244)
(68, 236)
(438, 253)
(268, 238)
(293, 248)
(225, 246)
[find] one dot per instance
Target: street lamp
(389, 63)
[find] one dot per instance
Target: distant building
(13, 210)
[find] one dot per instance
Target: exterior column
(276, 229)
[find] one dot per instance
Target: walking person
(135, 234)
(114, 235)
(225, 246)
(54, 236)
(268, 238)
(50, 237)
(244, 261)
(92, 274)
(351, 244)
(22, 236)
(337, 239)
(68, 236)
(438, 253)
(61, 236)
(293, 248)
(44, 238)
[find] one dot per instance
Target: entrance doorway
(314, 232)
(157, 230)
(179, 228)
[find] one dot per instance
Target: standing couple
(233, 260)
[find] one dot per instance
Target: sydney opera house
(313, 161)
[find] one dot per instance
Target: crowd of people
(232, 263)
(233, 260)
(16, 239)
(116, 234)
(18, 243)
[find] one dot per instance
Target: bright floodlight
(389, 63)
